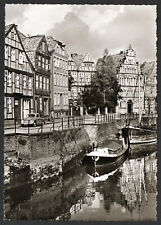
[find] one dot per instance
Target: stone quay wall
(59, 150)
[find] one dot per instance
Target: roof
(78, 59)
(147, 68)
(51, 43)
(87, 58)
(117, 60)
(22, 36)
(31, 43)
(8, 27)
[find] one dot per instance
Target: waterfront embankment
(48, 154)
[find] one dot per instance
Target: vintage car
(32, 119)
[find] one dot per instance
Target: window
(30, 83)
(9, 104)
(37, 81)
(40, 81)
(24, 81)
(13, 55)
(20, 58)
(46, 64)
(40, 104)
(43, 62)
(47, 82)
(17, 80)
(6, 52)
(44, 83)
(9, 79)
(39, 61)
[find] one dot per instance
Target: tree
(104, 89)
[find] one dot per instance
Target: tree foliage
(104, 89)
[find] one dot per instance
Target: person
(125, 134)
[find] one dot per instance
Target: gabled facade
(132, 83)
(150, 86)
(19, 78)
(59, 77)
(37, 50)
(82, 69)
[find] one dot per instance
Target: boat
(102, 172)
(114, 150)
(140, 135)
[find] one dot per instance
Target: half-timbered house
(19, 78)
(37, 50)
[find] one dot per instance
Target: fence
(49, 126)
(68, 123)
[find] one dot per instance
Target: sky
(91, 28)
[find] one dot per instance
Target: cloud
(92, 28)
(15, 13)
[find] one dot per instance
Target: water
(127, 193)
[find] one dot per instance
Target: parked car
(32, 119)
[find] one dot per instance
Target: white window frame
(9, 105)
(21, 58)
(24, 81)
(17, 80)
(13, 55)
(29, 83)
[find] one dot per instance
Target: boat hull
(105, 160)
(106, 168)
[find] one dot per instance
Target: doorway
(129, 107)
(17, 109)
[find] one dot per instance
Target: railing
(49, 126)
(69, 122)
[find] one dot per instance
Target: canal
(125, 192)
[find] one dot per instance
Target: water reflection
(125, 192)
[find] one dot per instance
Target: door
(129, 107)
(17, 108)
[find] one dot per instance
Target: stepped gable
(31, 43)
(78, 59)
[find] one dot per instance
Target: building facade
(82, 69)
(19, 78)
(132, 83)
(150, 86)
(37, 50)
(59, 77)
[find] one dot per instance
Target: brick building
(132, 82)
(19, 77)
(37, 50)
(59, 77)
